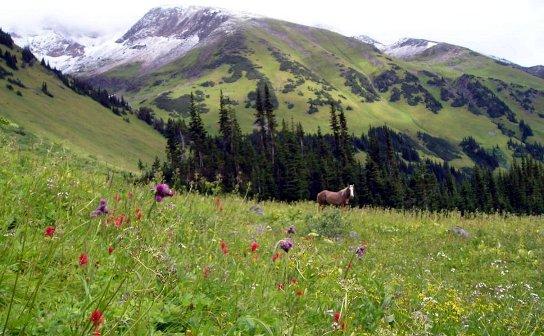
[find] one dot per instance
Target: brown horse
(339, 198)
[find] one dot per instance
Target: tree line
(280, 161)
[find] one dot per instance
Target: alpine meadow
(208, 171)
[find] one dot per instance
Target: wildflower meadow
(85, 250)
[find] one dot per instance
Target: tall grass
(167, 273)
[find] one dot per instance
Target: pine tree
(260, 118)
(197, 132)
(335, 128)
(270, 121)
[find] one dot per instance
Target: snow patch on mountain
(160, 36)
(369, 40)
(408, 47)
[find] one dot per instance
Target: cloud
(508, 29)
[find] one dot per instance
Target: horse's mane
(345, 192)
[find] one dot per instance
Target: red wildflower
(119, 220)
(97, 318)
(336, 317)
(294, 281)
(299, 292)
(337, 321)
(96, 332)
(224, 247)
(276, 256)
(83, 259)
(254, 246)
(117, 198)
(110, 249)
(49, 231)
(139, 214)
(280, 286)
(130, 194)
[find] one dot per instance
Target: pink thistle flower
(102, 209)
(286, 244)
(162, 190)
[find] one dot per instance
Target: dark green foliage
(17, 82)
(11, 59)
(440, 147)
(403, 144)
(445, 94)
(535, 150)
(300, 71)
(359, 84)
(288, 164)
(83, 87)
(45, 90)
(505, 130)
(410, 92)
(479, 154)
(252, 95)
(480, 98)
(525, 130)
(5, 39)
(180, 105)
(147, 115)
(525, 97)
(385, 80)
(4, 73)
(430, 102)
(322, 98)
(292, 84)
(395, 95)
(208, 84)
(312, 108)
(414, 93)
(330, 224)
(28, 56)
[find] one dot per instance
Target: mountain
(369, 40)
(435, 93)
(160, 36)
(34, 97)
(537, 70)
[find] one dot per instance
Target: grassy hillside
(307, 67)
(75, 120)
(166, 272)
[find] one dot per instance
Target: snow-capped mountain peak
(369, 40)
(408, 47)
(161, 35)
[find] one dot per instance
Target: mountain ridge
(442, 90)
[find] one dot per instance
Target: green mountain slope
(72, 119)
(308, 67)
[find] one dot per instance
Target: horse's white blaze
(351, 190)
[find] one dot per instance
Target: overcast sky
(513, 30)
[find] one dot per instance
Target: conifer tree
(197, 132)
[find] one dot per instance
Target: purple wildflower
(102, 208)
(286, 244)
(162, 190)
(360, 251)
(291, 230)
